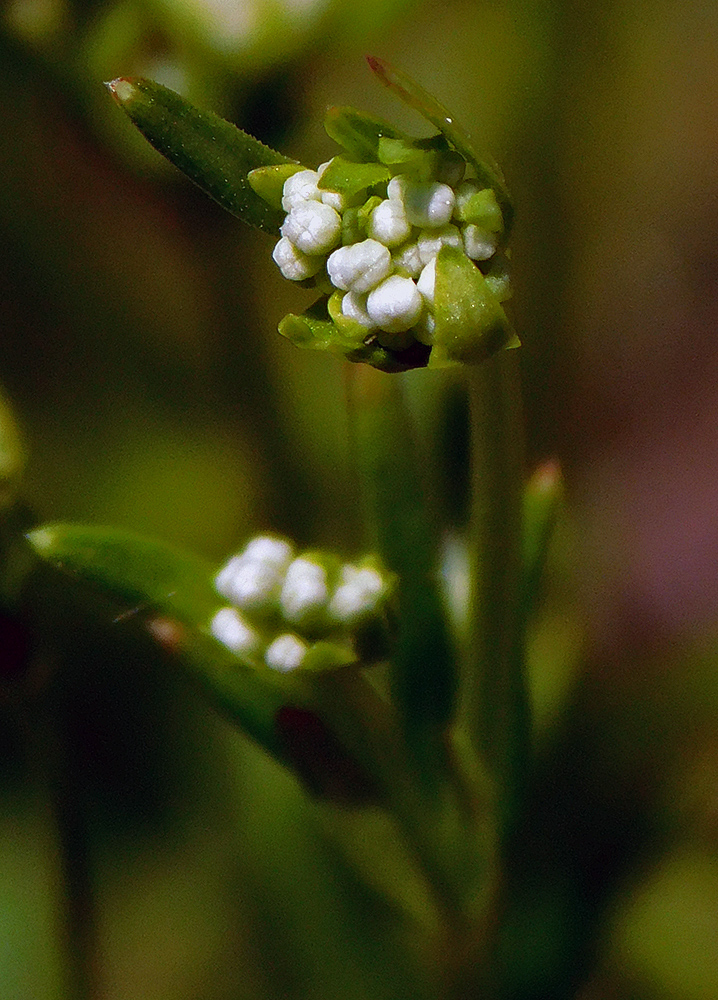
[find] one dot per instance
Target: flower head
(405, 237)
(308, 611)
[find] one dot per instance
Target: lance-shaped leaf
(213, 153)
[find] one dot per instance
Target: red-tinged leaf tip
(121, 89)
(547, 477)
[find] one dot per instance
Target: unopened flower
(406, 232)
(310, 611)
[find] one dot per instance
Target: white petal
(388, 223)
(354, 307)
(357, 594)
(479, 243)
(428, 205)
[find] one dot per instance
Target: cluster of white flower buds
(284, 605)
(382, 254)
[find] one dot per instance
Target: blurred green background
(138, 346)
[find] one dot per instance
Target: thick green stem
(494, 701)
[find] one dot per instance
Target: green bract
(426, 220)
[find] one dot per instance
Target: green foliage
(215, 155)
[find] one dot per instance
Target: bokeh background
(138, 346)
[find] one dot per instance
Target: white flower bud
(428, 205)
(285, 653)
(395, 305)
(431, 242)
(360, 266)
(479, 244)
(358, 593)
(232, 630)
(388, 223)
(294, 264)
(304, 590)
(354, 307)
(335, 200)
(409, 258)
(427, 282)
(313, 227)
(396, 187)
(300, 187)
(253, 579)
(269, 549)
(251, 584)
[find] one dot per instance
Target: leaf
(350, 178)
(214, 154)
(358, 133)
(542, 502)
(470, 323)
(414, 96)
(174, 591)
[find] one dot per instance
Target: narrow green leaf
(414, 96)
(173, 591)
(214, 154)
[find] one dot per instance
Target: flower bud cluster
(379, 252)
(290, 611)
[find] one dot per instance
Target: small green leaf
(214, 154)
(268, 182)
(470, 323)
(481, 209)
(315, 330)
(414, 96)
(358, 133)
(350, 179)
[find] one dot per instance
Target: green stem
(423, 670)
(494, 700)
(49, 753)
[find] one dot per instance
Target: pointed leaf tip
(121, 89)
